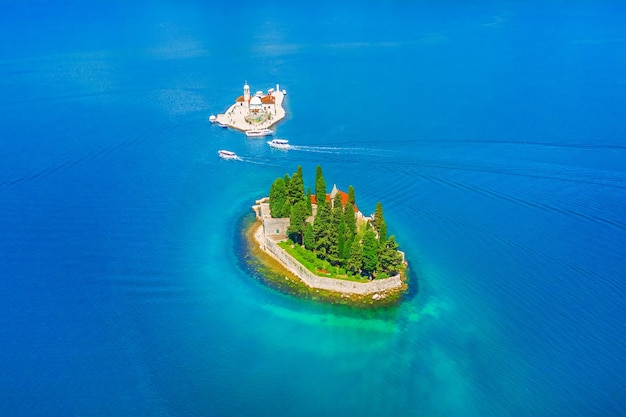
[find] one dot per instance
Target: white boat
(279, 143)
(227, 155)
(258, 133)
(222, 125)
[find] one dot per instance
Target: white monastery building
(259, 103)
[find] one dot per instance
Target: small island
(325, 247)
(252, 112)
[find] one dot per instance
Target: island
(325, 248)
(255, 112)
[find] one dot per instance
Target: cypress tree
(278, 194)
(286, 209)
(390, 258)
(321, 230)
(355, 259)
(296, 222)
(377, 216)
(370, 253)
(309, 237)
(337, 205)
(349, 217)
(379, 223)
(335, 220)
(351, 199)
(295, 189)
(349, 224)
(396, 261)
(320, 186)
(309, 206)
(382, 233)
(342, 241)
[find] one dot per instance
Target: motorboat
(279, 143)
(223, 125)
(258, 133)
(227, 154)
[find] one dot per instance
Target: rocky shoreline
(276, 274)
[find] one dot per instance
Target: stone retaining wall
(332, 284)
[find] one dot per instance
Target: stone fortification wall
(332, 284)
(275, 228)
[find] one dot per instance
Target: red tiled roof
(344, 199)
(268, 99)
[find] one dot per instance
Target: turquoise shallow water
(492, 134)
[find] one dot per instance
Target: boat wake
(338, 150)
(255, 161)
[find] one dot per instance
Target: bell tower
(246, 93)
(246, 97)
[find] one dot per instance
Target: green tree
(320, 186)
(295, 189)
(347, 247)
(355, 259)
(349, 217)
(341, 241)
(382, 233)
(309, 206)
(379, 223)
(370, 252)
(278, 195)
(296, 222)
(335, 221)
(286, 210)
(321, 229)
(390, 258)
(337, 204)
(309, 237)
(351, 199)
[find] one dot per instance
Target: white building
(265, 103)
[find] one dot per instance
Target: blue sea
(494, 134)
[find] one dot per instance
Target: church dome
(255, 101)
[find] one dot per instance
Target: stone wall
(332, 284)
(275, 228)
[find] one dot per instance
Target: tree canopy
(335, 234)
(379, 223)
(297, 218)
(370, 253)
(320, 186)
(278, 197)
(295, 188)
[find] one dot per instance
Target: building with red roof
(259, 102)
(330, 197)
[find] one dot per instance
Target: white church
(259, 103)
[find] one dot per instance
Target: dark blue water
(493, 134)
